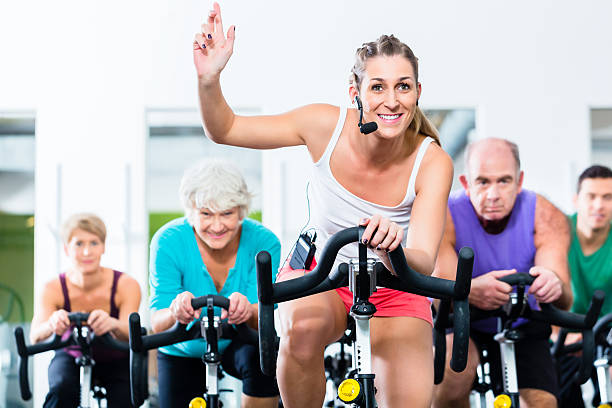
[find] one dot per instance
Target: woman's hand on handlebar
(547, 287)
(489, 293)
(382, 235)
(100, 322)
(240, 310)
(59, 322)
(211, 48)
(181, 309)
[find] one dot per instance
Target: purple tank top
(99, 353)
(513, 248)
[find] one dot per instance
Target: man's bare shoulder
(550, 222)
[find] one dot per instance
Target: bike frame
(362, 282)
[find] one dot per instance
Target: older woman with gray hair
(209, 251)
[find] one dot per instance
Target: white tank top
(335, 208)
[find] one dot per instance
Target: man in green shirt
(590, 254)
(590, 261)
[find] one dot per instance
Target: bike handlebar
(141, 343)
(551, 315)
(55, 343)
(320, 279)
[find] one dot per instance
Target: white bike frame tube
(212, 381)
(85, 386)
(508, 364)
(603, 379)
(363, 351)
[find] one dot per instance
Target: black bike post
(363, 283)
(211, 331)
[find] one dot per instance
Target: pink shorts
(388, 302)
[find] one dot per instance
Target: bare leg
(307, 326)
(532, 398)
(254, 402)
(454, 391)
(402, 361)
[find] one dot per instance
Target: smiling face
(85, 250)
(594, 203)
(493, 180)
(217, 229)
(389, 92)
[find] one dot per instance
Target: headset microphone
(364, 128)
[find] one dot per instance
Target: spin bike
(518, 307)
(84, 339)
(210, 328)
(600, 376)
(362, 275)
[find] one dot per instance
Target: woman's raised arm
(212, 49)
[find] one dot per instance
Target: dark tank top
(100, 354)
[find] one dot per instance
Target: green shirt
(590, 273)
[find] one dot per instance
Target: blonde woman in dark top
(108, 296)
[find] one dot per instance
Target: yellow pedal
(502, 401)
(197, 402)
(349, 390)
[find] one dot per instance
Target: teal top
(176, 266)
(590, 273)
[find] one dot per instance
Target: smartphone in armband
(303, 254)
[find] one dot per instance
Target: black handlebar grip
(461, 335)
(138, 376)
(135, 333)
(519, 278)
(78, 317)
(264, 277)
(463, 279)
(267, 332)
(593, 312)
(588, 353)
(440, 340)
(220, 301)
(601, 328)
(24, 386)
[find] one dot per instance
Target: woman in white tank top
(383, 180)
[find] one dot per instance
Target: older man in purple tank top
(510, 230)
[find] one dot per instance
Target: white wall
(89, 69)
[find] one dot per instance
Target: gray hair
(214, 184)
(513, 147)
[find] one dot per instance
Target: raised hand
(211, 48)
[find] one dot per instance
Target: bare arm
(429, 210)
(48, 317)
(552, 240)
(446, 262)
(212, 49)
(426, 220)
(128, 302)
